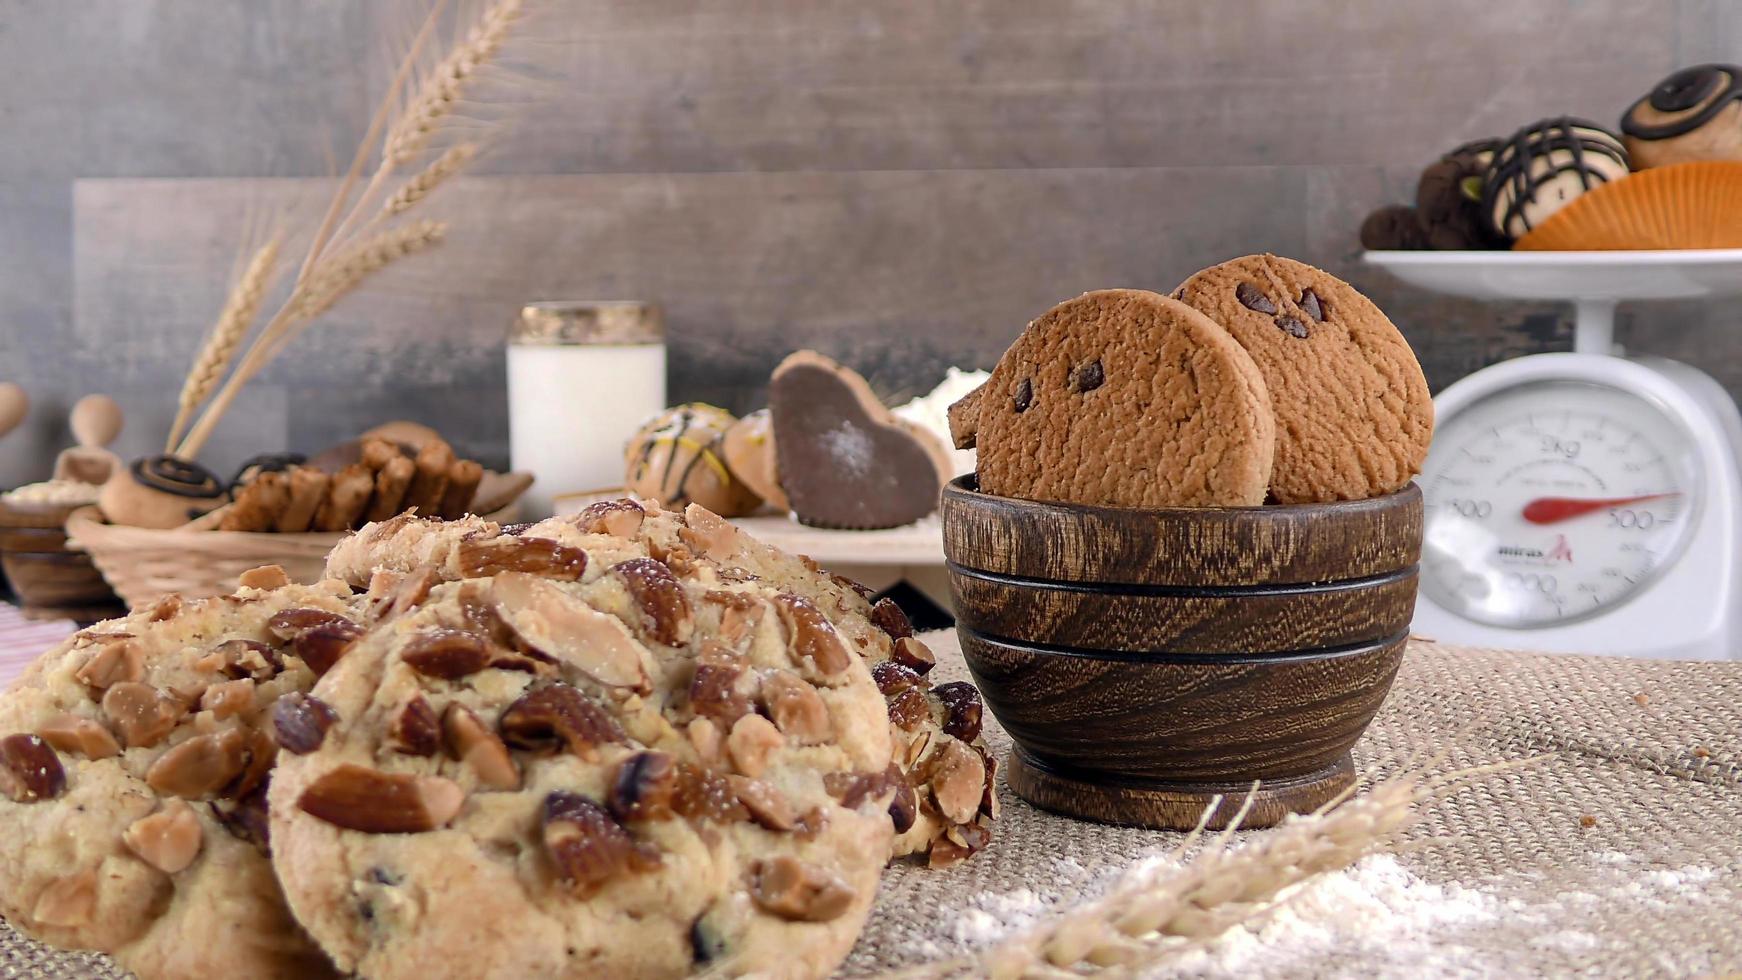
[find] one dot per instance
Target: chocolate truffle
(1544, 167)
(677, 458)
(1694, 114)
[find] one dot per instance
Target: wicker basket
(142, 564)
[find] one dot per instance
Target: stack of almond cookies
(1260, 380)
(630, 743)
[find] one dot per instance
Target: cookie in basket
(1123, 398)
(1353, 411)
(133, 764)
(942, 807)
(578, 754)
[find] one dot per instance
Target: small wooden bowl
(52, 581)
(1145, 661)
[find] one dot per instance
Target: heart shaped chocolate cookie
(844, 460)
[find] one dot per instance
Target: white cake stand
(878, 559)
(1594, 282)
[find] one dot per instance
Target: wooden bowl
(51, 581)
(1146, 661)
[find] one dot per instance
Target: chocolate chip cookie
(944, 804)
(583, 748)
(1124, 398)
(1353, 412)
(133, 767)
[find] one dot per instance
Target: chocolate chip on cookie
(1354, 411)
(1128, 398)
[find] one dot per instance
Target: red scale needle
(1553, 510)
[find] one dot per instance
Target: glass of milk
(582, 377)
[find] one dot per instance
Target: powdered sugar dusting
(849, 448)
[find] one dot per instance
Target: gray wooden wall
(899, 184)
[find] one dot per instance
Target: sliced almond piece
(665, 606)
(958, 781)
(478, 748)
(621, 517)
(538, 556)
(229, 699)
(140, 713)
(201, 766)
(557, 624)
(446, 654)
(796, 707)
(706, 739)
(767, 806)
(558, 715)
(81, 736)
(69, 902)
(266, 577)
(29, 770)
(415, 730)
(888, 617)
(643, 787)
(238, 658)
(112, 664)
(301, 721)
(791, 889)
(752, 740)
(811, 638)
(359, 798)
(169, 839)
(913, 655)
(962, 706)
(587, 846)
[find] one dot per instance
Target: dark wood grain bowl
(50, 580)
(1146, 661)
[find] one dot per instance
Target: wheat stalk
(436, 99)
(1165, 908)
(425, 181)
(220, 346)
(323, 278)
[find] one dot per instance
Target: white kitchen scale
(1584, 502)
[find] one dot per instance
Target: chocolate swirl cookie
(1694, 114)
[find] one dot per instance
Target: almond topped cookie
(134, 760)
(583, 748)
(1353, 411)
(944, 804)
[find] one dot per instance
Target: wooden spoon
(14, 405)
(96, 420)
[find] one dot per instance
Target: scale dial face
(1554, 502)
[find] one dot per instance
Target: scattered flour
(1377, 919)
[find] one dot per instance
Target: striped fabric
(22, 640)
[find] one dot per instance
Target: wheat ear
(325, 285)
(339, 274)
(1157, 912)
(436, 98)
(220, 346)
(425, 181)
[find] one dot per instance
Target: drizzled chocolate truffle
(677, 458)
(1694, 114)
(1448, 200)
(1544, 167)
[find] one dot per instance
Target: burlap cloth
(1620, 855)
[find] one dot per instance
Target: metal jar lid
(557, 324)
